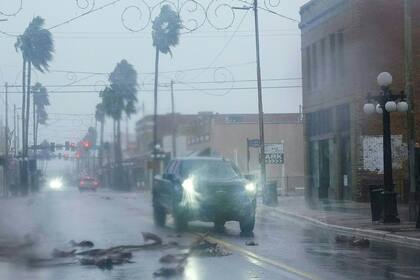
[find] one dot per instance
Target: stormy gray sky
(90, 46)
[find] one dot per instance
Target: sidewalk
(351, 218)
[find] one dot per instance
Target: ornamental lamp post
(386, 103)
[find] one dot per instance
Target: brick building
(211, 134)
(345, 45)
(226, 135)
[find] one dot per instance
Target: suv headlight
(251, 188)
(188, 185)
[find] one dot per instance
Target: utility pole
(260, 103)
(409, 90)
(14, 131)
(155, 117)
(174, 132)
(6, 143)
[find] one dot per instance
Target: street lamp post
(386, 103)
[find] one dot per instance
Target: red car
(88, 184)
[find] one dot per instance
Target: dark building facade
(345, 45)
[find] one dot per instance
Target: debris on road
(352, 241)
(148, 236)
(169, 258)
(63, 254)
(169, 271)
(205, 248)
(362, 243)
(84, 243)
(251, 243)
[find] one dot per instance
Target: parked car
(205, 189)
(88, 184)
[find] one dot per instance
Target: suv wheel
(219, 225)
(159, 214)
(180, 221)
(247, 223)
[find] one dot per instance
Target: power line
(270, 11)
(178, 90)
(165, 85)
(224, 47)
(84, 14)
(162, 72)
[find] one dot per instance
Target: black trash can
(376, 201)
(270, 197)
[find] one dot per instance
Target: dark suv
(205, 189)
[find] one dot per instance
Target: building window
(314, 66)
(307, 68)
(343, 117)
(333, 58)
(323, 62)
(319, 123)
(340, 53)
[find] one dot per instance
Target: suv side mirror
(169, 177)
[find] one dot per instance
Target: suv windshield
(207, 169)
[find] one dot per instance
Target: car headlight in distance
(251, 187)
(188, 185)
(56, 184)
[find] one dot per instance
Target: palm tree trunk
(155, 115)
(34, 126)
(28, 104)
(119, 155)
(101, 145)
(23, 106)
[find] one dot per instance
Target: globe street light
(387, 102)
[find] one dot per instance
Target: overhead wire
(84, 14)
(219, 54)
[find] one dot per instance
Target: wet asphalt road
(286, 248)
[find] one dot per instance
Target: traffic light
(67, 145)
(86, 144)
(52, 147)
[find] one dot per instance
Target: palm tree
(40, 115)
(100, 117)
(165, 33)
(124, 85)
(37, 47)
(120, 97)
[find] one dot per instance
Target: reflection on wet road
(286, 249)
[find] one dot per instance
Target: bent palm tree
(165, 33)
(40, 115)
(100, 117)
(120, 97)
(37, 47)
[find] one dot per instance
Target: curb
(376, 235)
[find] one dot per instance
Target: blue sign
(254, 143)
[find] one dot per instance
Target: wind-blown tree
(165, 33)
(117, 99)
(40, 115)
(100, 117)
(124, 86)
(37, 47)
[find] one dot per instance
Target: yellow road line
(262, 259)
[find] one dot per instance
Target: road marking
(262, 259)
